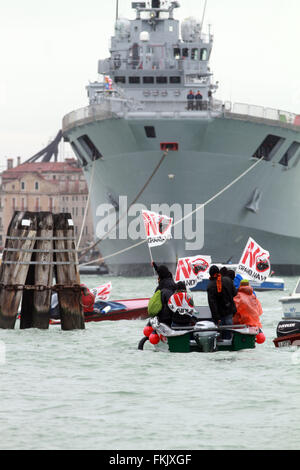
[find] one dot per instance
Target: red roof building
(45, 186)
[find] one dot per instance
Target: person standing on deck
(191, 100)
(198, 99)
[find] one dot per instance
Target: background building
(45, 186)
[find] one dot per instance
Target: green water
(93, 389)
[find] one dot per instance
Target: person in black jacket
(220, 293)
(167, 287)
(228, 273)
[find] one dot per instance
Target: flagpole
(151, 257)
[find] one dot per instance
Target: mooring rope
(217, 195)
(86, 250)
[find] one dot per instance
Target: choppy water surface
(94, 390)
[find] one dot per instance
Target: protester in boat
(87, 300)
(167, 287)
(230, 274)
(224, 271)
(220, 293)
(249, 309)
(182, 305)
(236, 278)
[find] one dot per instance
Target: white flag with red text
(193, 269)
(255, 262)
(158, 228)
(102, 292)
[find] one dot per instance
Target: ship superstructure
(152, 64)
(157, 93)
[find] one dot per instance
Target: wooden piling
(43, 275)
(15, 264)
(67, 273)
(36, 303)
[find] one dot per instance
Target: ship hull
(211, 154)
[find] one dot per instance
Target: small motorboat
(131, 309)
(271, 283)
(204, 337)
(288, 329)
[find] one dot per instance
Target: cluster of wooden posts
(40, 258)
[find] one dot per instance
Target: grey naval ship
(144, 104)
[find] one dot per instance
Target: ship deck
(115, 108)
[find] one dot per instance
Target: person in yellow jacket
(249, 309)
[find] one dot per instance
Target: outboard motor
(206, 340)
(288, 328)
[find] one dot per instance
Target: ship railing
(112, 107)
(260, 112)
(155, 64)
(107, 106)
(88, 114)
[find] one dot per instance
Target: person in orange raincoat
(87, 299)
(249, 309)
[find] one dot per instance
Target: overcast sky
(49, 51)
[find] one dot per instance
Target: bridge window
(269, 147)
(148, 80)
(195, 54)
(161, 80)
(290, 153)
(150, 132)
(204, 54)
(134, 80)
(185, 52)
(175, 79)
(90, 147)
(177, 53)
(120, 79)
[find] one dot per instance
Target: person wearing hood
(87, 300)
(249, 309)
(237, 279)
(167, 287)
(220, 294)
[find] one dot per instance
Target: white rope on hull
(217, 195)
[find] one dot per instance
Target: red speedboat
(131, 309)
(288, 340)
